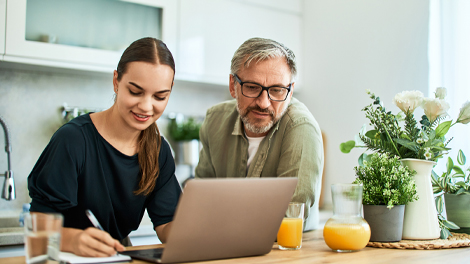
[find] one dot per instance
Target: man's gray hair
(259, 49)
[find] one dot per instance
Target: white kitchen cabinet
(294, 6)
(211, 30)
(84, 34)
(3, 6)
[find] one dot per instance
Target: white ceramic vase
(420, 221)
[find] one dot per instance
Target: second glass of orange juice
(289, 236)
(346, 231)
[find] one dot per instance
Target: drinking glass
(42, 236)
(289, 236)
(346, 230)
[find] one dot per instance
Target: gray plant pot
(458, 211)
(386, 225)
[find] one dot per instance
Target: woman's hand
(163, 231)
(90, 242)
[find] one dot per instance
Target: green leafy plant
(385, 181)
(454, 180)
(425, 140)
(186, 130)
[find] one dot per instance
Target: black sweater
(80, 170)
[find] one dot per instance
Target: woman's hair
(259, 49)
(153, 51)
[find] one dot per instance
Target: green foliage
(454, 180)
(346, 147)
(187, 130)
(410, 141)
(385, 181)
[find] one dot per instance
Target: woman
(114, 162)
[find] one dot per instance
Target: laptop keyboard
(155, 253)
(152, 254)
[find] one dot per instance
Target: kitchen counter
(314, 250)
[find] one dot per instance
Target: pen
(93, 219)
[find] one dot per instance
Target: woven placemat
(455, 241)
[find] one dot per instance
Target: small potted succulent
(387, 187)
(454, 186)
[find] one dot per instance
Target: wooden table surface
(314, 250)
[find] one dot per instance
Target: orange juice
(290, 233)
(346, 237)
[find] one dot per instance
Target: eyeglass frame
(263, 88)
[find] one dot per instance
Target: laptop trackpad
(152, 255)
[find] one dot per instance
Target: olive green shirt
(292, 148)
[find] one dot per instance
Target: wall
(30, 102)
(348, 46)
(351, 46)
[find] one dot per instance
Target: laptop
(224, 218)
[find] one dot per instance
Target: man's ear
(231, 86)
(291, 90)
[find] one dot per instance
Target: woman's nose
(145, 104)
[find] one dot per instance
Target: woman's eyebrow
(138, 87)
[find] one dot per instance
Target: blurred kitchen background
(56, 52)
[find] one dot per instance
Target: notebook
(70, 258)
(224, 218)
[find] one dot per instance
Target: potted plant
(418, 145)
(185, 132)
(454, 186)
(387, 187)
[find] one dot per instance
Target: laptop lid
(224, 218)
(227, 218)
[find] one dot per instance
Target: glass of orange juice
(289, 236)
(346, 231)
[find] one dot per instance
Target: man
(264, 132)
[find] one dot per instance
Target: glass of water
(42, 236)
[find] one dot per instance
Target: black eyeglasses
(254, 90)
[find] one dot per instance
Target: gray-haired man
(264, 132)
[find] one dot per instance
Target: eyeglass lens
(254, 90)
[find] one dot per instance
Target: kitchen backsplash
(30, 104)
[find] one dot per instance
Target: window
(449, 64)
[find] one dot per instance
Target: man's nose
(263, 100)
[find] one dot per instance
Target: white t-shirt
(253, 145)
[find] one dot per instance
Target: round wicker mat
(454, 241)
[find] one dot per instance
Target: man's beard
(252, 126)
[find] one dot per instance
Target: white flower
(420, 141)
(441, 92)
(408, 101)
(434, 108)
(427, 155)
(464, 115)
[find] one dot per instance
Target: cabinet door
(84, 34)
(211, 31)
(294, 6)
(3, 4)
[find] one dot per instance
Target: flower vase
(420, 220)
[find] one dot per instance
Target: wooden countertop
(314, 250)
